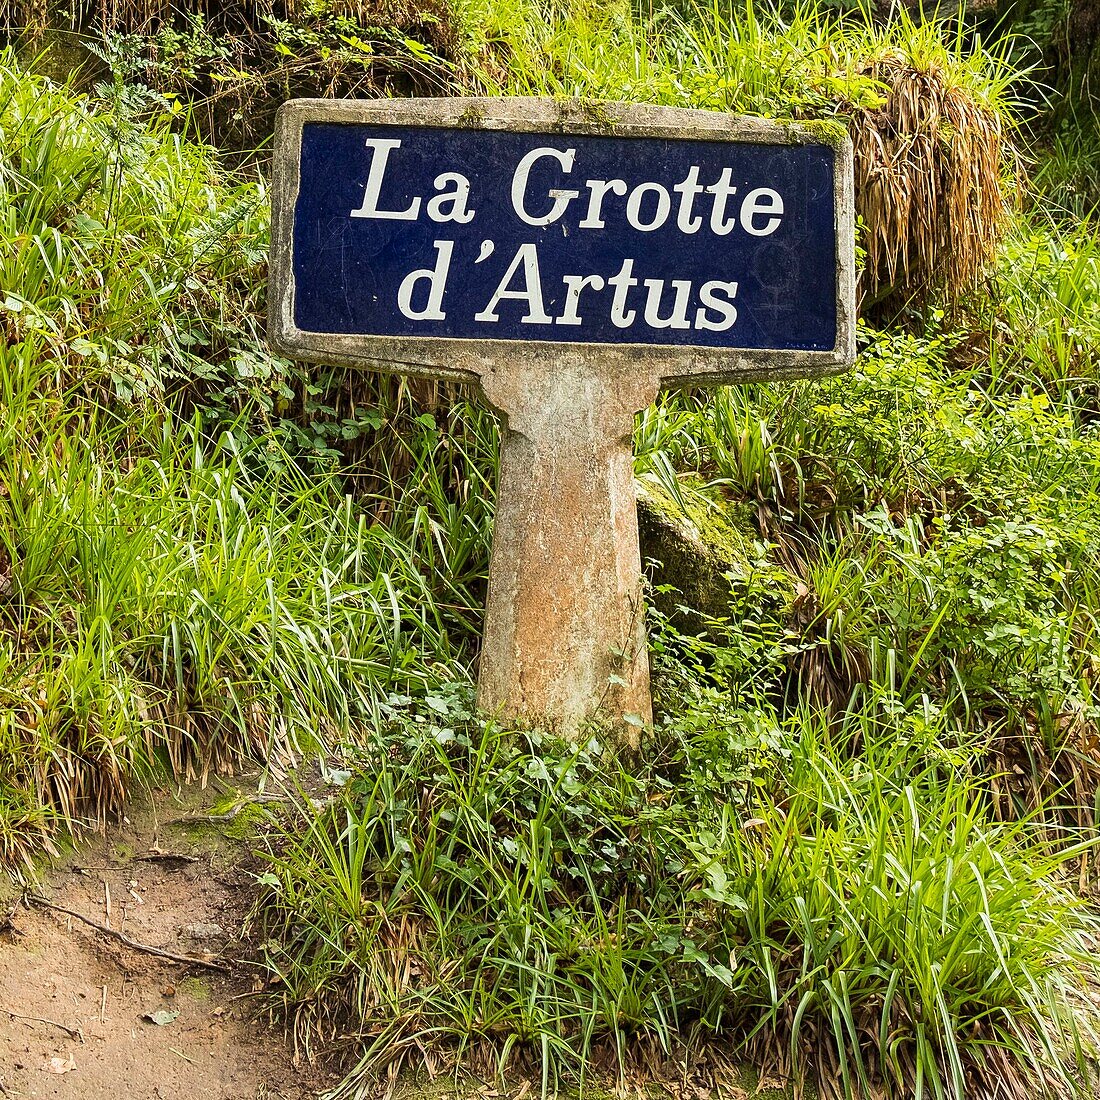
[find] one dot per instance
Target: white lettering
(437, 283)
(678, 318)
(574, 284)
(722, 192)
(764, 200)
(726, 310)
(688, 188)
(621, 317)
(455, 201)
(382, 147)
(528, 257)
(519, 186)
(599, 188)
(634, 206)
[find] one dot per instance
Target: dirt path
(85, 1017)
(97, 1019)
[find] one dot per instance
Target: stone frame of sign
(470, 359)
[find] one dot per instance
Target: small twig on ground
(72, 1032)
(205, 819)
(160, 953)
(170, 858)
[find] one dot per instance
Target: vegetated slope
(176, 590)
(827, 898)
(224, 67)
(1061, 39)
(912, 659)
(915, 608)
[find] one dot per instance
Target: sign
(570, 259)
(472, 234)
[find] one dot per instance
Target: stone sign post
(570, 258)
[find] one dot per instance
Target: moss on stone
(246, 822)
(698, 546)
(598, 112)
(829, 131)
(472, 116)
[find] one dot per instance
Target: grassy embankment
(178, 590)
(850, 852)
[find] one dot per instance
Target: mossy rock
(692, 550)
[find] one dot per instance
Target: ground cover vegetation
(857, 849)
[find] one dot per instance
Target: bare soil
(85, 1017)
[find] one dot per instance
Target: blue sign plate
(676, 237)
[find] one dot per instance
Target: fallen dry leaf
(161, 1017)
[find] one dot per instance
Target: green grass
(827, 898)
(934, 513)
(1065, 172)
(183, 579)
(850, 849)
(181, 611)
(91, 188)
(775, 60)
(1046, 316)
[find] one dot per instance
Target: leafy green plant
(1046, 321)
(520, 904)
(184, 612)
(183, 577)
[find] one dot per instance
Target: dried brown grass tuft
(933, 170)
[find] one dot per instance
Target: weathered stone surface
(565, 623)
(696, 551)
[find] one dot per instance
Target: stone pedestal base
(565, 643)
